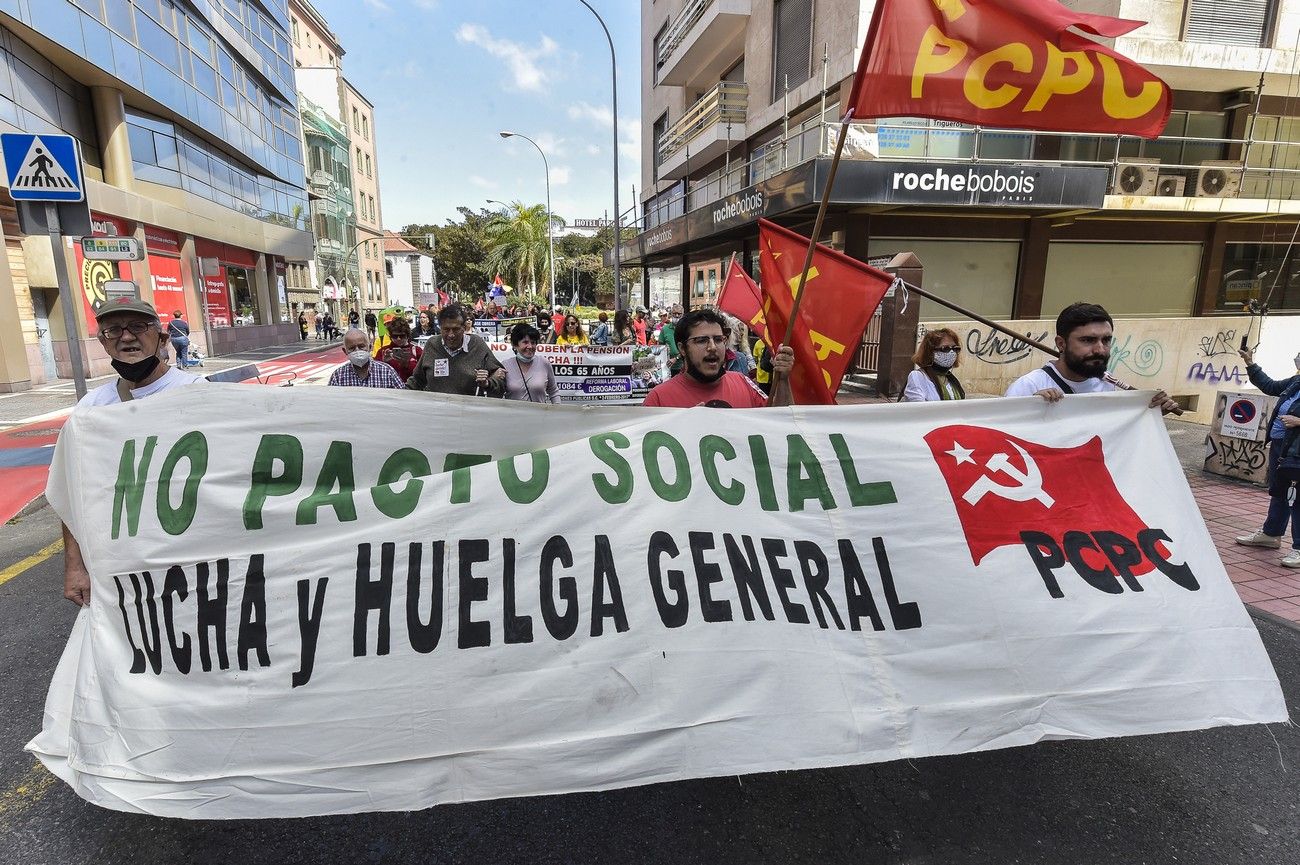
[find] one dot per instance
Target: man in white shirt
(132, 334)
(1084, 332)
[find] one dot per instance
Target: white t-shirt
(106, 394)
(1031, 383)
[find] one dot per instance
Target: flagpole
(781, 382)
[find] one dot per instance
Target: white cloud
(378, 5)
(593, 150)
(427, 5)
(482, 182)
(599, 114)
(521, 60)
(560, 175)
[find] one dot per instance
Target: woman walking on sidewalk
(178, 331)
(1283, 462)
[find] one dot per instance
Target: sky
(446, 76)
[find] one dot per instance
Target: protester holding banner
(131, 333)
(456, 361)
(937, 355)
(572, 332)
(1084, 332)
(702, 341)
(400, 353)
(1283, 463)
(529, 377)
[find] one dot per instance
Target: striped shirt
(380, 375)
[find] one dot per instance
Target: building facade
(188, 126)
(410, 271)
(741, 101)
(349, 263)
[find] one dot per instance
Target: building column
(114, 144)
(1211, 275)
(195, 307)
(262, 286)
(1033, 269)
(15, 372)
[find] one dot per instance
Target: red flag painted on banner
(1059, 503)
(843, 294)
(741, 297)
(1005, 63)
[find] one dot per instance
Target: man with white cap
(132, 334)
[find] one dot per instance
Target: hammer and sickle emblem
(1029, 482)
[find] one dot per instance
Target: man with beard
(702, 336)
(1084, 332)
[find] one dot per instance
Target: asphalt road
(1218, 797)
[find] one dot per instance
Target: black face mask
(138, 371)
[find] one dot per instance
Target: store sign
(111, 249)
(589, 223)
(162, 240)
(963, 183)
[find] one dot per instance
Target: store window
(979, 275)
(1265, 272)
(243, 295)
(1169, 274)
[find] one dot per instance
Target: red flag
(1004, 486)
(1005, 63)
(843, 293)
(741, 297)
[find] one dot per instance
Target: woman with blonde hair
(936, 357)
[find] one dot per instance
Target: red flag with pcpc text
(1003, 486)
(742, 298)
(842, 295)
(1005, 63)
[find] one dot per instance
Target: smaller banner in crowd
(614, 374)
(298, 611)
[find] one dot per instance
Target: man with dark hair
(1084, 332)
(456, 361)
(702, 337)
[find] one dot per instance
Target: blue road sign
(43, 167)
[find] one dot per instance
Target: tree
(460, 249)
(518, 243)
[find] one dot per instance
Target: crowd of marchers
(714, 358)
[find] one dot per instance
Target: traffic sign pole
(66, 297)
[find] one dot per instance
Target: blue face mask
(522, 359)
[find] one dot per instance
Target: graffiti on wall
(1223, 342)
(1212, 374)
(992, 346)
(1146, 359)
(1243, 458)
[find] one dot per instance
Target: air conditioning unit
(1136, 177)
(1218, 179)
(1170, 185)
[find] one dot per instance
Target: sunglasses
(947, 349)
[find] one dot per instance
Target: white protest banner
(298, 611)
(610, 374)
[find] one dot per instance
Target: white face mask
(945, 359)
(359, 358)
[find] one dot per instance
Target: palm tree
(517, 243)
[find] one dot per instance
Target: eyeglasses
(113, 331)
(706, 341)
(947, 349)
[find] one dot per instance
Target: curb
(31, 507)
(1272, 618)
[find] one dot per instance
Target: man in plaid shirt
(361, 370)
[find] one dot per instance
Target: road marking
(31, 561)
(25, 793)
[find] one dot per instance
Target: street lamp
(618, 235)
(550, 228)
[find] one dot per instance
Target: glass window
(160, 44)
(979, 275)
(141, 140)
(225, 65)
(365, 127)
(368, 174)
(205, 78)
(199, 41)
(1170, 272)
(1266, 272)
(117, 14)
(240, 280)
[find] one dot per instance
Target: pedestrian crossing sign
(43, 167)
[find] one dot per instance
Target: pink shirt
(683, 391)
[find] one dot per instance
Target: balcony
(707, 130)
(705, 40)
